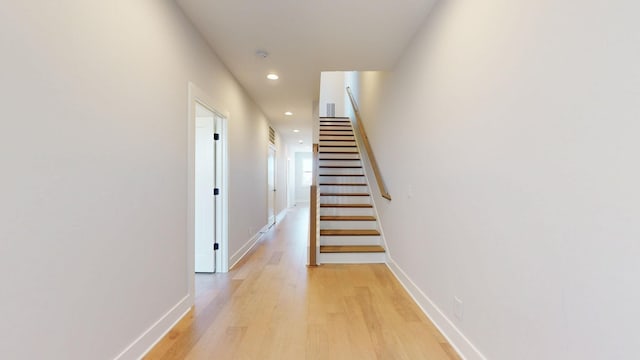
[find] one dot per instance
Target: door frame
(206, 194)
(196, 95)
(273, 194)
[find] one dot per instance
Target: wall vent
(272, 136)
(331, 109)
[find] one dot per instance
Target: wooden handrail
(372, 159)
(313, 209)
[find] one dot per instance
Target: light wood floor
(271, 306)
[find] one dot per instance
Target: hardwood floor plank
(272, 306)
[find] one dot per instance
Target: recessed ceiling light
(288, 113)
(300, 141)
(273, 76)
(296, 130)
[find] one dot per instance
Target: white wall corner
(456, 338)
(145, 342)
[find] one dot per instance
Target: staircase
(348, 226)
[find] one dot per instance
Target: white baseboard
(145, 342)
(238, 255)
(281, 215)
(456, 338)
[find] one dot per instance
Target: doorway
(271, 186)
(207, 191)
(303, 176)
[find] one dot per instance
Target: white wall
(93, 147)
(332, 90)
(281, 175)
(508, 137)
(302, 191)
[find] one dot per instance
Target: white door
(205, 209)
(271, 186)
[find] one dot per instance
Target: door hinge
(216, 246)
(216, 191)
(216, 136)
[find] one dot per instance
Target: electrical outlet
(458, 310)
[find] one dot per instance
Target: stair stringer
(371, 182)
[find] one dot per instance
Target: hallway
(271, 306)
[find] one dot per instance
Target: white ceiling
(303, 38)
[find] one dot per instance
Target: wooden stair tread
(346, 205)
(344, 194)
(347, 218)
(341, 184)
(340, 159)
(335, 117)
(340, 134)
(351, 249)
(341, 151)
(351, 140)
(340, 166)
(338, 146)
(349, 232)
(340, 174)
(338, 152)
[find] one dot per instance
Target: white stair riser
(348, 224)
(345, 199)
(343, 179)
(338, 137)
(341, 171)
(350, 240)
(340, 163)
(344, 189)
(354, 156)
(334, 127)
(331, 149)
(335, 133)
(336, 143)
(351, 258)
(346, 212)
